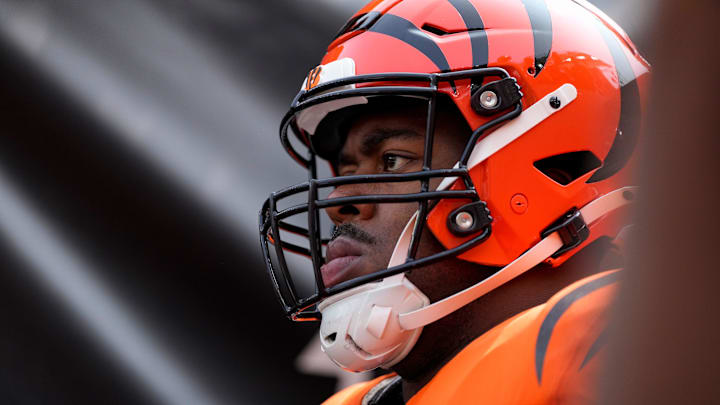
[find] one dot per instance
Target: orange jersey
(549, 354)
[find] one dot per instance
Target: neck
(443, 339)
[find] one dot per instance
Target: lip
(343, 255)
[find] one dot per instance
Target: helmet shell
(543, 45)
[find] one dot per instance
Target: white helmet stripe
(515, 128)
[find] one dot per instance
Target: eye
(393, 163)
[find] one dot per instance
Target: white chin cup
(360, 330)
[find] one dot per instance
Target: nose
(350, 212)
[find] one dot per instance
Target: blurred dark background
(138, 139)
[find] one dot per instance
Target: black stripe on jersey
(629, 124)
(557, 311)
(541, 24)
(404, 30)
(476, 27)
(596, 346)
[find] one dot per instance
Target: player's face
(382, 142)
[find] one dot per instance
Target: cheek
(394, 188)
(447, 150)
(392, 218)
(389, 223)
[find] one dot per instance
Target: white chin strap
(532, 257)
(377, 324)
(360, 328)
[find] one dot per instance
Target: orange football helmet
(553, 91)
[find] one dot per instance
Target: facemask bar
(272, 220)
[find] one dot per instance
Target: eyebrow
(372, 141)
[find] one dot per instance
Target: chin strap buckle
(572, 229)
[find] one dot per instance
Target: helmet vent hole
(434, 30)
(329, 339)
(360, 22)
(568, 167)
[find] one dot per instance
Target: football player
(481, 156)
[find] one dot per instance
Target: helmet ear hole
(568, 167)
